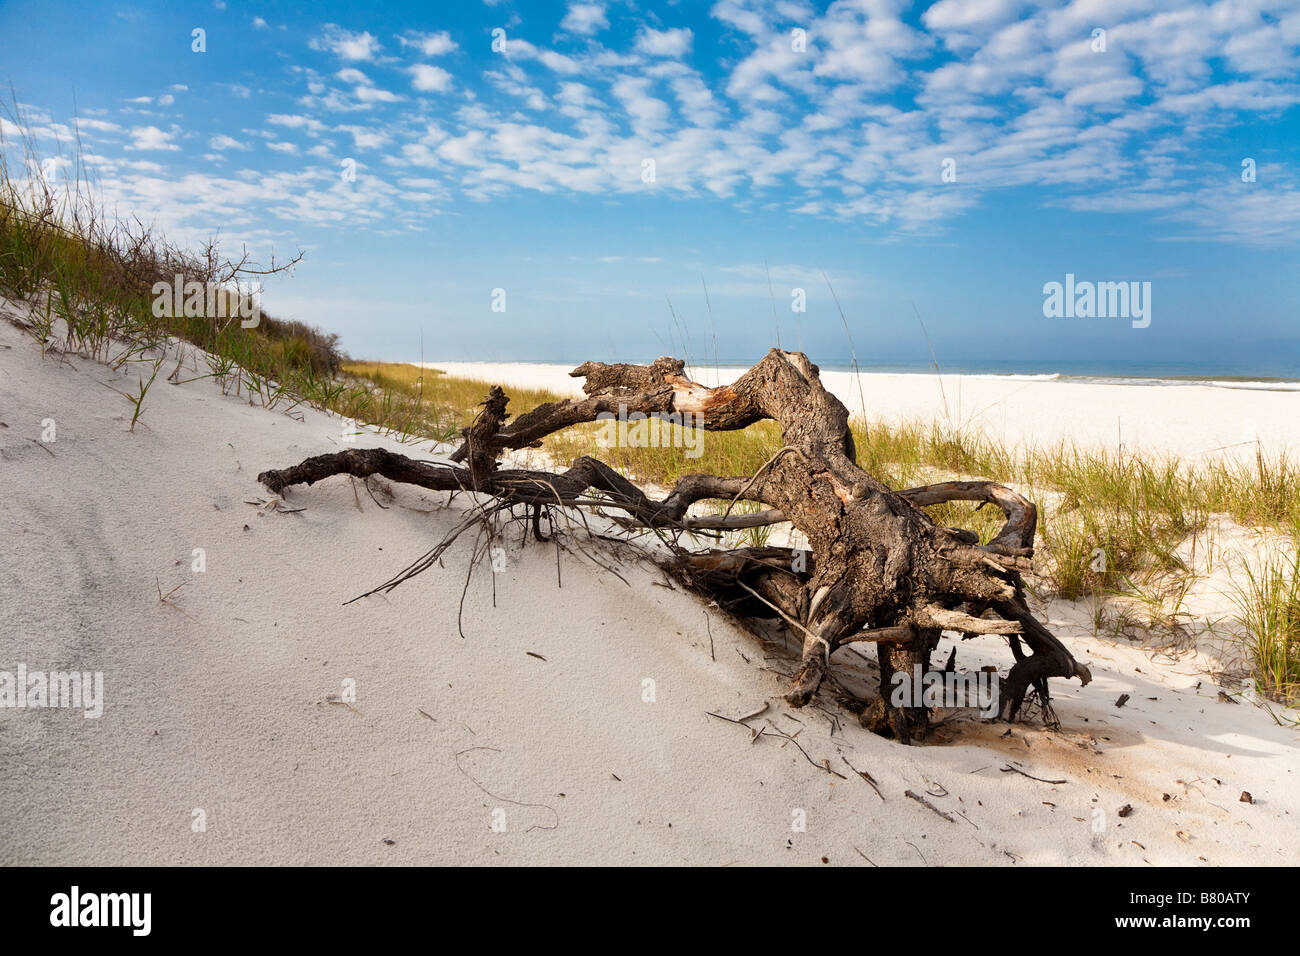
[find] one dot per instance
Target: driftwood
(880, 570)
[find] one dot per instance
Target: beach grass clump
(1118, 520)
(1268, 610)
(1261, 492)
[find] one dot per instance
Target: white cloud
(296, 121)
(463, 149)
(969, 14)
(99, 126)
(674, 42)
(430, 44)
(345, 44)
(864, 47)
(426, 78)
(520, 49)
(646, 112)
(373, 94)
(363, 89)
(585, 19)
(365, 138)
(222, 142)
(150, 137)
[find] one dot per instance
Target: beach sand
(572, 715)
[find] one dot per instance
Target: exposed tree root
(880, 570)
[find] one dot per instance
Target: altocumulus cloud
(850, 111)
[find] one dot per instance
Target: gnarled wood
(878, 563)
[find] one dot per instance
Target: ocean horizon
(1282, 377)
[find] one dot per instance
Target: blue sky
(787, 139)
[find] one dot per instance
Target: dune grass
(413, 403)
(1268, 603)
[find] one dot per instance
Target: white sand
(1189, 421)
(220, 700)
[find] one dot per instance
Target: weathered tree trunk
(880, 568)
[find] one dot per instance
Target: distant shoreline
(1189, 418)
(1164, 375)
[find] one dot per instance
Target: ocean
(1281, 376)
(1262, 376)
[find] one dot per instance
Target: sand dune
(223, 699)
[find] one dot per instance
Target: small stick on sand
(761, 710)
(867, 858)
(741, 721)
(865, 776)
(1008, 769)
(519, 803)
(928, 805)
(166, 598)
(820, 766)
